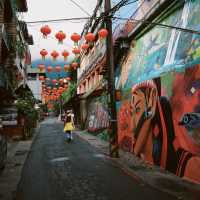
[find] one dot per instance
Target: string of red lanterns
(75, 37)
(60, 36)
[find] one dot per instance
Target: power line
(81, 8)
(161, 25)
(121, 18)
(112, 11)
(58, 20)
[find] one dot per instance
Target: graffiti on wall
(159, 115)
(98, 117)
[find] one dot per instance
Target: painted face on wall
(143, 105)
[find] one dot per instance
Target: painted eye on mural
(190, 120)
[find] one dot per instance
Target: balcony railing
(93, 59)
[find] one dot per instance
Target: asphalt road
(57, 170)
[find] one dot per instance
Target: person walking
(69, 125)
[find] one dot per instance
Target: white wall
(36, 87)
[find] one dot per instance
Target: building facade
(158, 115)
(157, 74)
(14, 49)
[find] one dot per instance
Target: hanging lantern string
(126, 19)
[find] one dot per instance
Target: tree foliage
(71, 91)
(26, 108)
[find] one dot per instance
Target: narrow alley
(57, 170)
(99, 100)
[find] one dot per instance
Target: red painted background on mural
(164, 129)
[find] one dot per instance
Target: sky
(55, 9)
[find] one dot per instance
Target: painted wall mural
(97, 117)
(159, 115)
(162, 50)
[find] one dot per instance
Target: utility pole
(113, 141)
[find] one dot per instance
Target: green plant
(71, 91)
(25, 105)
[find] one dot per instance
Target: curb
(35, 134)
(141, 180)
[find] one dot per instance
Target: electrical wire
(161, 25)
(126, 19)
(58, 20)
(110, 14)
(81, 8)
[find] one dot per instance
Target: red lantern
(65, 54)
(60, 36)
(54, 55)
(41, 78)
(66, 68)
(65, 86)
(60, 91)
(68, 78)
(43, 53)
(90, 37)
(41, 67)
(54, 81)
(53, 97)
(76, 51)
(75, 37)
(58, 68)
(45, 30)
(85, 46)
(103, 33)
(49, 69)
(74, 65)
(61, 81)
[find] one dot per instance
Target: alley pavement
(58, 170)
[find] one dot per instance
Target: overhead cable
(80, 7)
(126, 19)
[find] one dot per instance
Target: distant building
(33, 81)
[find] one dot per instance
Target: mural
(159, 115)
(162, 50)
(98, 117)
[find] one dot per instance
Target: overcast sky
(55, 9)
